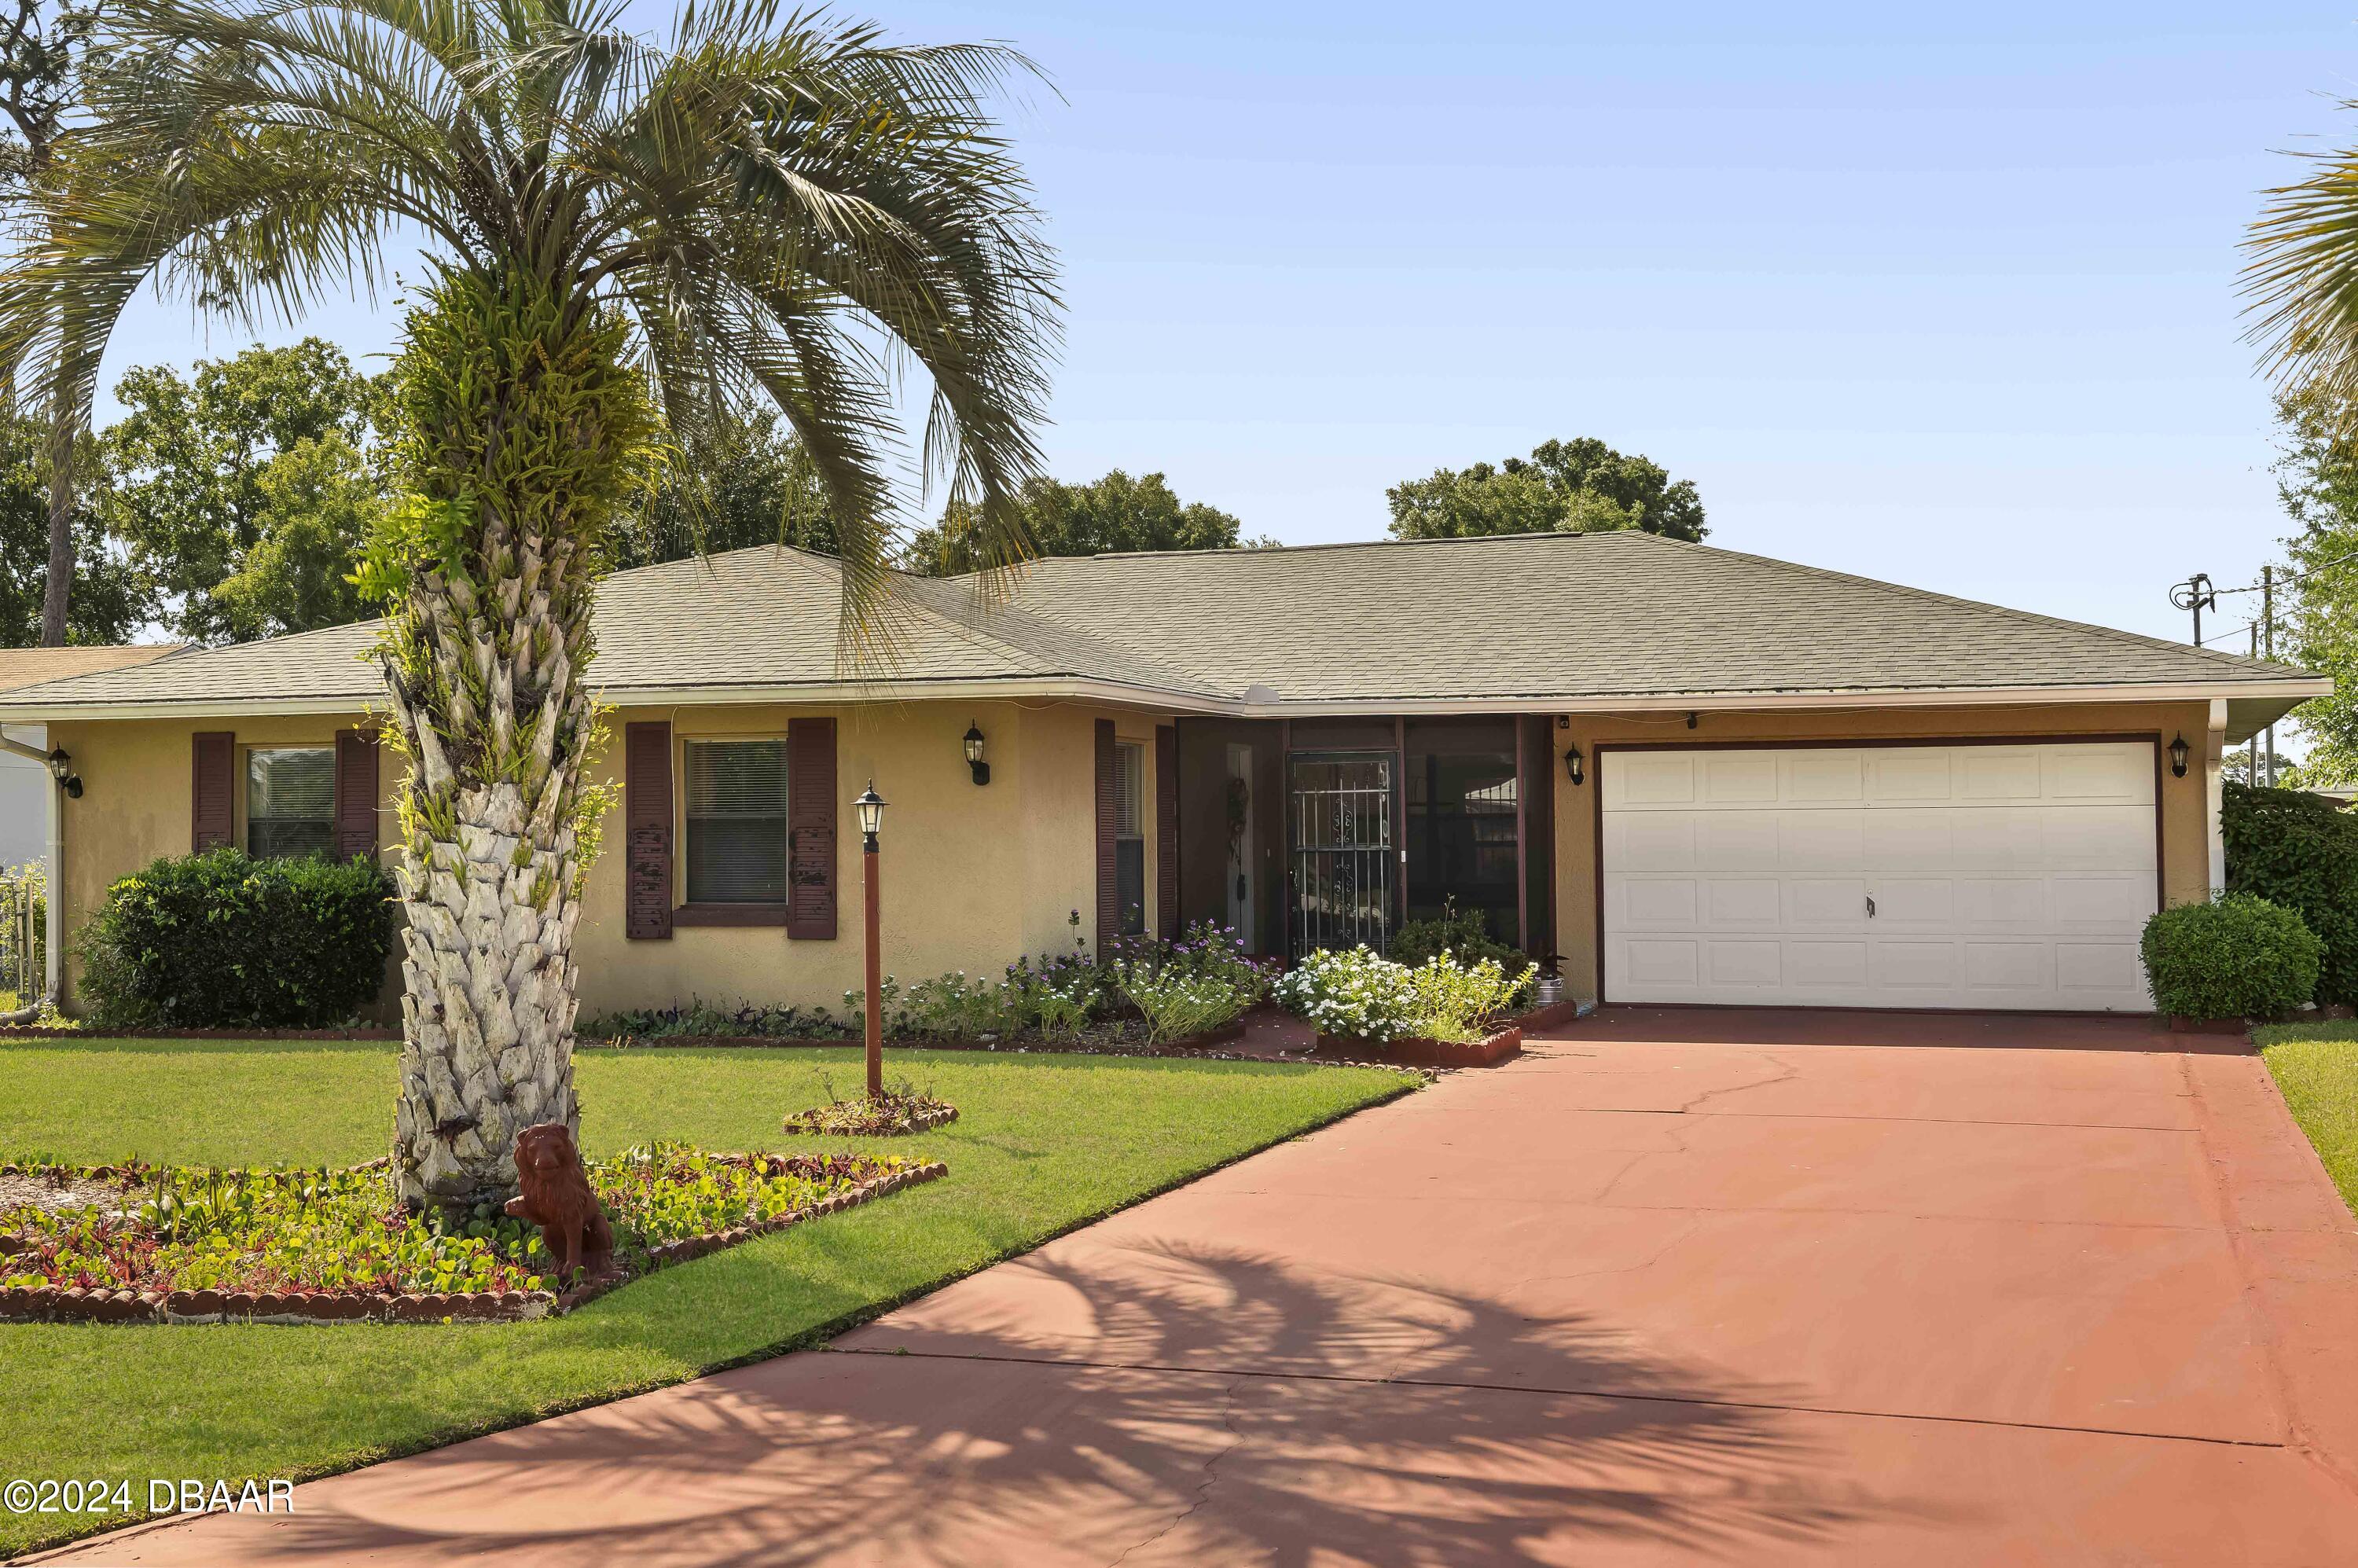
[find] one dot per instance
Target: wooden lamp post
(870, 807)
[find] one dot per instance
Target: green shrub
(2238, 957)
(223, 941)
(2299, 850)
(1466, 933)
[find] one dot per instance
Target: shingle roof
(32, 666)
(1617, 615)
(1574, 617)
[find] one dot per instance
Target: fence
(24, 933)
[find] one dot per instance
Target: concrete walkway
(1627, 1300)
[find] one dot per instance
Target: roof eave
(2250, 696)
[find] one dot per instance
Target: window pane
(737, 822)
(291, 800)
(1129, 789)
(1129, 885)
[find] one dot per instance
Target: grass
(1043, 1143)
(2316, 1069)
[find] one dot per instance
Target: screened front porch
(1305, 834)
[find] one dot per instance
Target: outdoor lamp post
(870, 808)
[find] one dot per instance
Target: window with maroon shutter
(1166, 831)
(213, 789)
(810, 829)
(647, 819)
(1109, 807)
(356, 793)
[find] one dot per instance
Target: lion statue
(557, 1197)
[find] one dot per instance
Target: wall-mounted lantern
(974, 755)
(2177, 758)
(1574, 765)
(61, 770)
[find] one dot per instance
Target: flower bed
(195, 1245)
(1425, 1051)
(880, 1116)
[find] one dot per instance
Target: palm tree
(2302, 279)
(630, 245)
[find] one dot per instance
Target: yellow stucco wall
(2185, 821)
(971, 876)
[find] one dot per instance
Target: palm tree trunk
(520, 420)
(61, 541)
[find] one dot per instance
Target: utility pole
(2196, 594)
(2269, 642)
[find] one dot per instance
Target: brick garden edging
(1421, 1051)
(55, 1303)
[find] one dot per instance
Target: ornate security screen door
(1343, 855)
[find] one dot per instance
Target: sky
(1945, 296)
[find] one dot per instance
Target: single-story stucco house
(1700, 776)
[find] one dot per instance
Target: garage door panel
(1908, 774)
(1996, 838)
(2122, 773)
(1896, 840)
(2001, 876)
(1824, 777)
(1739, 778)
(1640, 779)
(1736, 902)
(1823, 966)
(1827, 841)
(1919, 966)
(1926, 902)
(1660, 904)
(1737, 841)
(1651, 841)
(1746, 966)
(1826, 900)
(1999, 773)
(2002, 904)
(2098, 837)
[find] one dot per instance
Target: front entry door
(1340, 828)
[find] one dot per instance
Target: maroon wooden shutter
(647, 815)
(1166, 831)
(810, 829)
(356, 794)
(1108, 874)
(213, 789)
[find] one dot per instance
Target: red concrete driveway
(1630, 1300)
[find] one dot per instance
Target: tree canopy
(1114, 513)
(110, 601)
(244, 490)
(2317, 477)
(1564, 487)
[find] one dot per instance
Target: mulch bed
(890, 1116)
(1086, 1046)
(55, 1303)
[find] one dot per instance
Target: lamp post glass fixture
(972, 740)
(870, 806)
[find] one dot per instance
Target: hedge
(221, 940)
(2299, 850)
(2238, 957)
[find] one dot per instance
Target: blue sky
(1945, 296)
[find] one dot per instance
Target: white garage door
(1979, 876)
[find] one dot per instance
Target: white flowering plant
(1352, 992)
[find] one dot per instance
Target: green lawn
(2316, 1069)
(1043, 1143)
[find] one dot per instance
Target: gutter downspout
(54, 914)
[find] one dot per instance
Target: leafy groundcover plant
(346, 1232)
(2237, 956)
(902, 1109)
